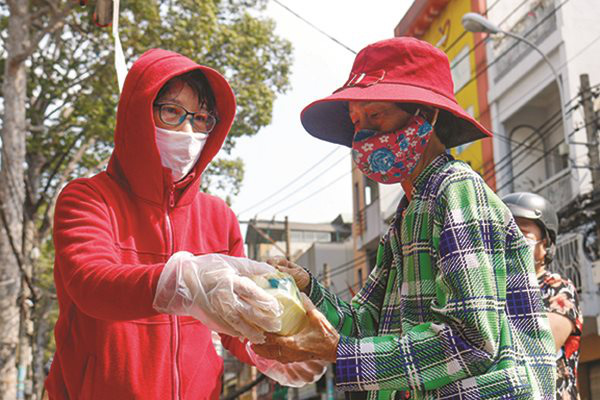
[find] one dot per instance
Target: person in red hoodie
(119, 232)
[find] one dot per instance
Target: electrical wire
(507, 162)
(338, 267)
(545, 154)
(546, 127)
(345, 174)
(485, 39)
(522, 144)
(346, 266)
(344, 157)
(486, 165)
(291, 182)
(314, 26)
(495, 60)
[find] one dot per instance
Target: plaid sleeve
(360, 318)
(464, 339)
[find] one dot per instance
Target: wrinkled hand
(301, 277)
(307, 372)
(295, 374)
(318, 340)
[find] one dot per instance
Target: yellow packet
(283, 287)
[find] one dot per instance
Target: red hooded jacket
(113, 234)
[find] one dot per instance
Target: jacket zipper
(175, 318)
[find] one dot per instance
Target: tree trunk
(27, 301)
(12, 192)
(42, 332)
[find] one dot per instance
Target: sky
(276, 182)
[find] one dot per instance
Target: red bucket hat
(402, 70)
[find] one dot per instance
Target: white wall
(572, 48)
(581, 34)
(389, 197)
(339, 258)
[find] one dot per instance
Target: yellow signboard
(447, 33)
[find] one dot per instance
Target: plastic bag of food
(282, 286)
(218, 290)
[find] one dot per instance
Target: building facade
(266, 239)
(537, 148)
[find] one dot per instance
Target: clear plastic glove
(295, 374)
(299, 274)
(318, 340)
(216, 289)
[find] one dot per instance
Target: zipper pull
(172, 198)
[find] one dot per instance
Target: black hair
(199, 84)
(446, 126)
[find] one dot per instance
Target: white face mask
(179, 151)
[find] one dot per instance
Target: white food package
(283, 287)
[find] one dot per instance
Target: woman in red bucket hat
(452, 308)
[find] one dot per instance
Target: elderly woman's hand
(318, 340)
(299, 274)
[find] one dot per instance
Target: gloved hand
(295, 374)
(216, 289)
(318, 340)
(299, 274)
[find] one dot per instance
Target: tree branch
(77, 81)
(17, 255)
(62, 158)
(56, 21)
(47, 221)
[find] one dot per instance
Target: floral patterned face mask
(391, 157)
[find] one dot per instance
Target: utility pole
(326, 276)
(329, 395)
(591, 129)
(288, 250)
(288, 254)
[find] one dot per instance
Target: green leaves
(223, 177)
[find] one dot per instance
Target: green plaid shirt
(453, 308)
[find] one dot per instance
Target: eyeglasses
(174, 115)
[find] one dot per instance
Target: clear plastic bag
(296, 374)
(217, 290)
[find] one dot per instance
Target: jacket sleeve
(236, 242)
(236, 347)
(360, 317)
(87, 263)
(236, 249)
(470, 286)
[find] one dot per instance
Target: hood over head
(135, 160)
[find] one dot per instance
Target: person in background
(538, 221)
(129, 243)
(450, 309)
